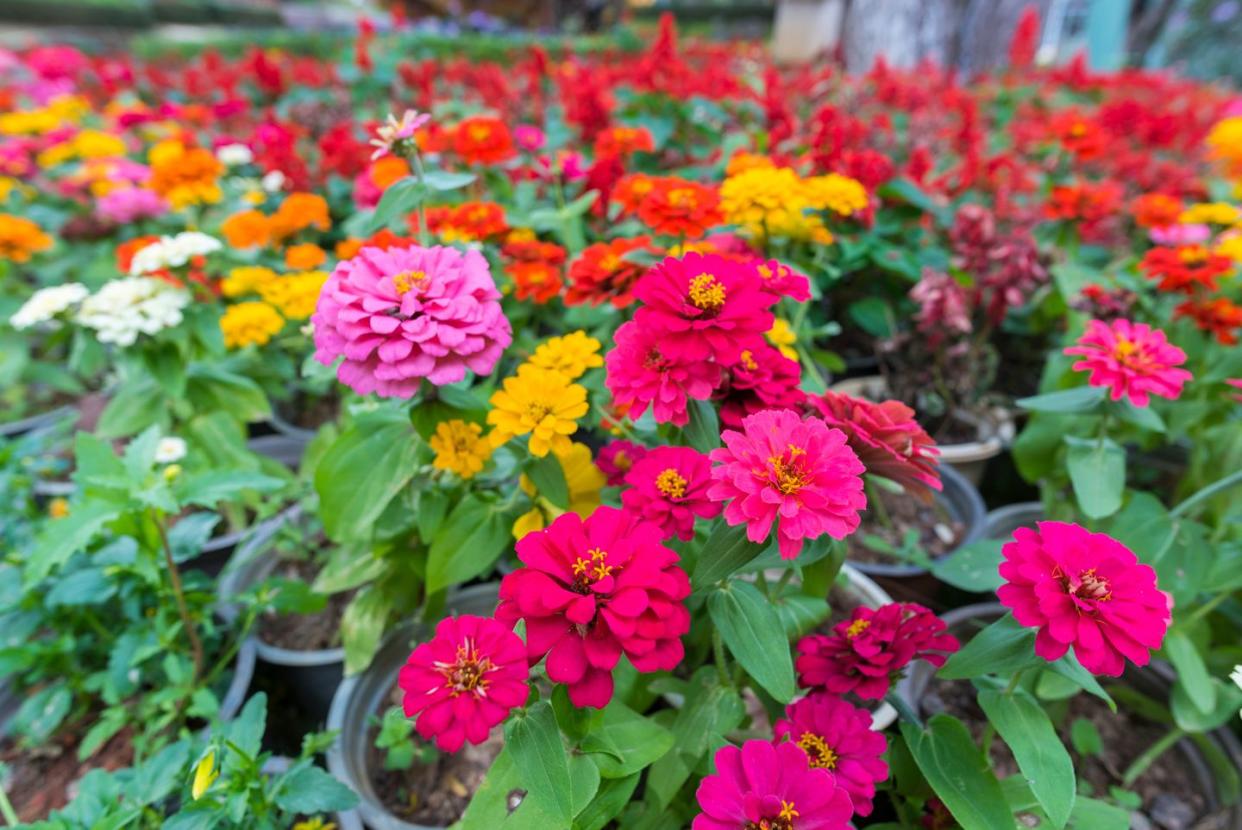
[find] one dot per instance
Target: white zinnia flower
(274, 181)
(169, 449)
(234, 155)
(125, 308)
(46, 303)
(172, 252)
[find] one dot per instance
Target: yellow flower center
(591, 569)
(707, 293)
(1078, 130)
(407, 281)
(610, 262)
(1193, 255)
(789, 470)
(817, 751)
(479, 132)
(748, 360)
(1090, 587)
(671, 483)
(682, 197)
(536, 411)
(467, 672)
(784, 821)
(857, 627)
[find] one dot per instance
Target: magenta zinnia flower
(865, 653)
(763, 378)
(704, 307)
(770, 786)
(641, 373)
(617, 458)
(1132, 359)
(887, 439)
(837, 736)
(668, 487)
(404, 314)
(464, 680)
(591, 590)
(781, 465)
(1085, 590)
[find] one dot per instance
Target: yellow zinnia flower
(1209, 213)
(783, 338)
(584, 481)
(296, 295)
(248, 279)
(250, 323)
(460, 447)
(571, 355)
(539, 402)
(205, 774)
(840, 194)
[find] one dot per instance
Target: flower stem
(904, 710)
(1206, 493)
(1149, 757)
(7, 811)
(417, 161)
(174, 575)
(722, 665)
(877, 504)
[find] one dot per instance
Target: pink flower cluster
(1131, 359)
(668, 487)
(397, 316)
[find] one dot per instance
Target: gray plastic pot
(1155, 680)
(1003, 521)
(359, 696)
(44, 420)
(286, 449)
(312, 674)
(963, 502)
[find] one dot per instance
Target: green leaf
(1143, 417)
(1069, 668)
(549, 480)
(469, 542)
(210, 488)
(726, 550)
(135, 407)
(972, 567)
(444, 181)
(904, 190)
(1189, 717)
(873, 316)
(41, 713)
(625, 742)
(957, 771)
(800, 613)
(1081, 399)
(708, 713)
(1001, 648)
(491, 806)
(703, 429)
(535, 742)
(87, 586)
(63, 538)
(311, 790)
(348, 566)
(1086, 737)
(356, 479)
(110, 722)
(399, 199)
(1098, 472)
(608, 803)
(1090, 814)
(159, 775)
(753, 632)
(210, 388)
(1192, 672)
(164, 363)
(246, 730)
(1025, 727)
(362, 626)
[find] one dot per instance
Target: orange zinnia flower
(472, 222)
(677, 207)
(1220, 316)
(601, 273)
(1156, 210)
(630, 191)
(483, 139)
(20, 238)
(536, 281)
(248, 229)
(384, 171)
(185, 176)
(622, 141)
(1186, 268)
(305, 257)
(298, 212)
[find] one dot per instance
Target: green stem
(423, 238)
(6, 809)
(1153, 752)
(1206, 493)
(904, 710)
(875, 503)
(1204, 609)
(174, 576)
(722, 665)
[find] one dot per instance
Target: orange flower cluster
(20, 238)
(1156, 210)
(1185, 269)
(602, 272)
(535, 268)
(623, 141)
(298, 212)
(185, 175)
(669, 205)
(483, 139)
(467, 222)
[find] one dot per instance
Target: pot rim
(1004, 516)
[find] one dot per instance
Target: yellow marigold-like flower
(771, 201)
(541, 403)
(783, 338)
(584, 481)
(1225, 140)
(251, 323)
(58, 508)
(246, 279)
(185, 175)
(205, 774)
(571, 355)
(295, 295)
(20, 238)
(1210, 213)
(316, 823)
(840, 194)
(460, 447)
(97, 144)
(1230, 245)
(741, 162)
(305, 256)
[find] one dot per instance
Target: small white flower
(234, 155)
(1236, 677)
(274, 181)
(125, 308)
(172, 252)
(169, 449)
(46, 303)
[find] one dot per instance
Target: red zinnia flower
(1156, 210)
(464, 680)
(762, 379)
(1085, 590)
(837, 736)
(887, 439)
(482, 139)
(622, 141)
(641, 374)
(1186, 268)
(538, 282)
(1132, 359)
(617, 458)
(668, 487)
(865, 653)
(1088, 203)
(1220, 316)
(681, 208)
(630, 191)
(591, 590)
(602, 273)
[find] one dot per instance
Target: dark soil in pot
(42, 779)
(305, 632)
(939, 531)
(303, 412)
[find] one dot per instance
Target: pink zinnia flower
(837, 736)
(617, 458)
(763, 378)
(778, 278)
(770, 786)
(781, 465)
(887, 439)
(865, 653)
(641, 373)
(1173, 235)
(704, 307)
(1085, 590)
(128, 204)
(464, 680)
(1236, 383)
(404, 314)
(591, 590)
(529, 137)
(1132, 359)
(668, 487)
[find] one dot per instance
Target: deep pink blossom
(641, 374)
(397, 316)
(763, 378)
(464, 680)
(616, 458)
(1085, 590)
(591, 590)
(766, 786)
(1131, 359)
(800, 470)
(668, 487)
(865, 653)
(128, 204)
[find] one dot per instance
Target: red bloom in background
(617, 458)
(1086, 203)
(766, 786)
(641, 374)
(1085, 590)
(887, 439)
(1220, 316)
(1080, 135)
(631, 189)
(464, 681)
(482, 139)
(865, 653)
(538, 282)
(472, 222)
(623, 141)
(704, 306)
(837, 736)
(1025, 38)
(668, 487)
(763, 378)
(601, 273)
(677, 207)
(1132, 359)
(1156, 210)
(1185, 269)
(591, 590)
